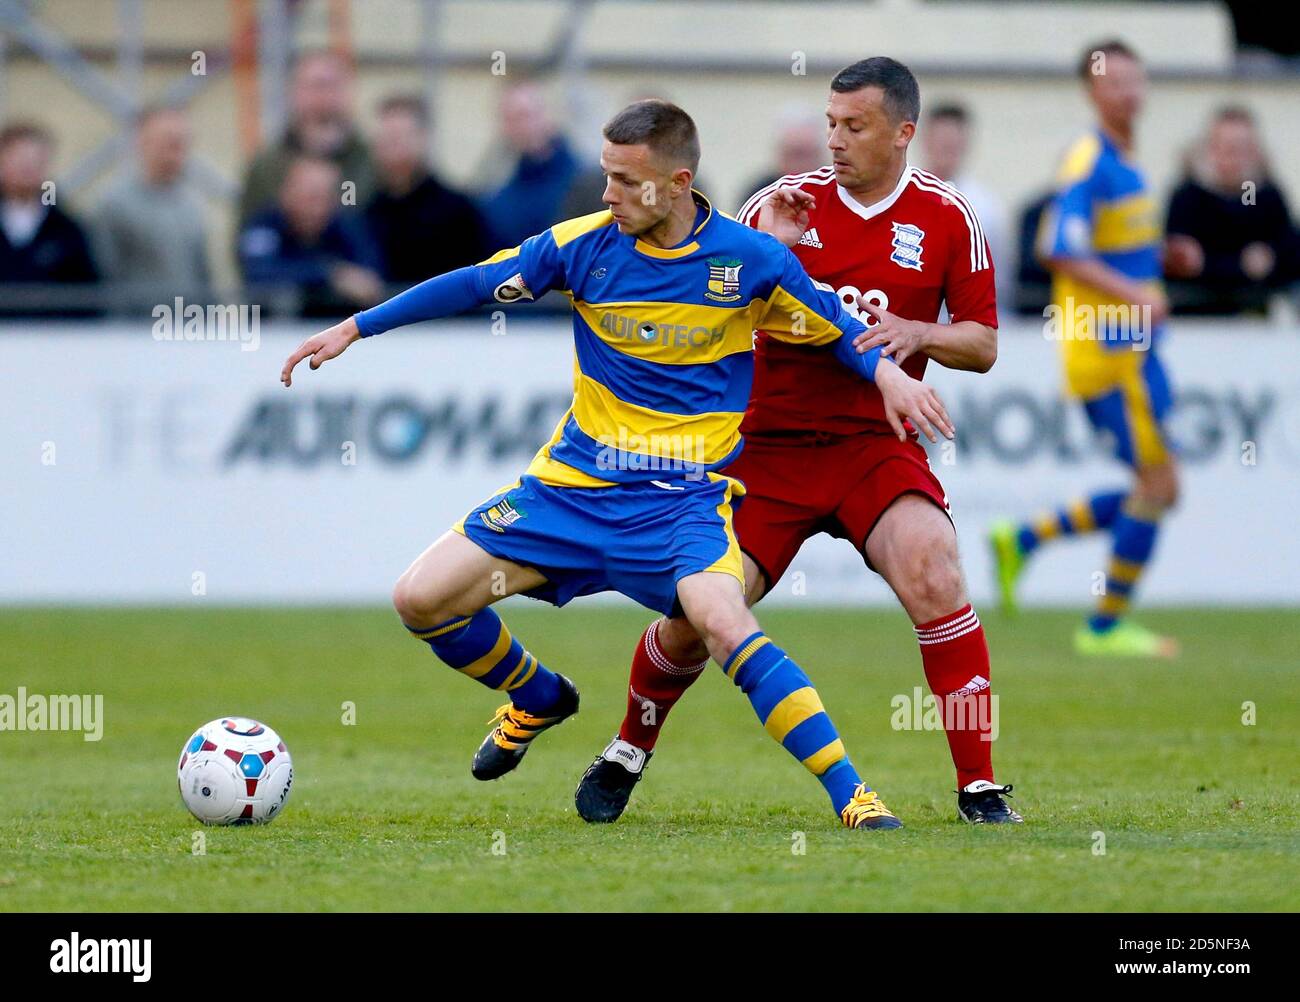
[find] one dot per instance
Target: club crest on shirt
(907, 246)
(724, 279)
(501, 515)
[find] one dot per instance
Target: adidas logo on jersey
(810, 239)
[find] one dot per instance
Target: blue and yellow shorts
(637, 539)
(1133, 413)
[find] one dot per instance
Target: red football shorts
(799, 486)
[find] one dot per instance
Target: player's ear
(905, 133)
(682, 181)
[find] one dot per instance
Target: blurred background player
(895, 243)
(1101, 240)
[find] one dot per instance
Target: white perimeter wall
(175, 458)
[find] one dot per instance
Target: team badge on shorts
(907, 246)
(501, 515)
(724, 279)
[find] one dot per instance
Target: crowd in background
(331, 220)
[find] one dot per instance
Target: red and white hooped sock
(955, 655)
(656, 683)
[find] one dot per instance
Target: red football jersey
(917, 248)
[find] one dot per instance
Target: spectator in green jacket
(320, 125)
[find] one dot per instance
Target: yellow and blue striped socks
(1134, 534)
(1083, 516)
(481, 647)
(792, 713)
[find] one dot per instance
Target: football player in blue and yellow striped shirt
(626, 495)
(1101, 241)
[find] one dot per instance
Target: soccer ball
(234, 771)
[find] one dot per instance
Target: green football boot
(1123, 640)
(1008, 563)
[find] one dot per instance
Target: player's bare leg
(914, 548)
(456, 577)
(782, 696)
(681, 641)
(443, 598)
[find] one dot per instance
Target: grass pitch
(1195, 810)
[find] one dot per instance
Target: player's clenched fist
(910, 399)
(321, 347)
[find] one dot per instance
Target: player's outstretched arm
(320, 348)
(441, 296)
(501, 278)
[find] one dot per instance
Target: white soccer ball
(234, 771)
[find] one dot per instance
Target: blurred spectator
(150, 234)
(306, 244)
(800, 147)
(1230, 242)
(1033, 288)
(585, 194)
(532, 199)
(320, 125)
(39, 242)
(945, 141)
(422, 227)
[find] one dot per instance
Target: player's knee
(1172, 489)
(722, 628)
(1158, 488)
(681, 641)
(931, 583)
(417, 606)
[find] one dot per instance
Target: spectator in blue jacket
(532, 198)
(311, 246)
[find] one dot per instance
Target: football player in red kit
(822, 454)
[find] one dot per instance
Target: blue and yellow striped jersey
(663, 339)
(1102, 209)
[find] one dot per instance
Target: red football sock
(657, 682)
(956, 659)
